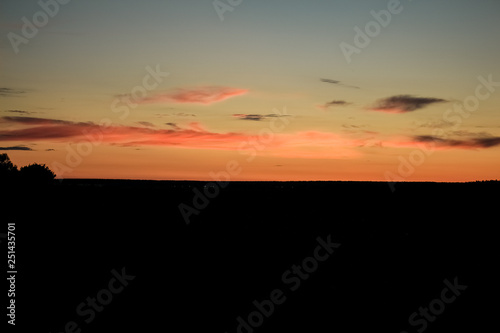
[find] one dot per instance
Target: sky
(254, 90)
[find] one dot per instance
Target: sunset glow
(176, 89)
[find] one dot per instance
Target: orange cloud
(318, 145)
(201, 95)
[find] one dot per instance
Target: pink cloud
(305, 144)
(389, 110)
(195, 136)
(201, 95)
(197, 126)
(310, 144)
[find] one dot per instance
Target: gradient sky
(270, 78)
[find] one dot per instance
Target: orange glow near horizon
(182, 93)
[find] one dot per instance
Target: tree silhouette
(37, 173)
(31, 174)
(7, 170)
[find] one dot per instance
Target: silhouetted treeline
(30, 174)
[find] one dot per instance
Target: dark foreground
(118, 256)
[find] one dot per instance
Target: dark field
(392, 253)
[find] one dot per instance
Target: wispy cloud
(50, 130)
(146, 123)
(9, 92)
(308, 144)
(178, 114)
(404, 103)
(200, 95)
(488, 126)
(338, 83)
(257, 117)
(433, 124)
(352, 126)
(19, 111)
(333, 103)
(305, 144)
(319, 145)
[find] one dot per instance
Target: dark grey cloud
(255, 117)
(338, 83)
(337, 102)
(16, 148)
(477, 142)
(405, 103)
(8, 92)
(173, 125)
(36, 121)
